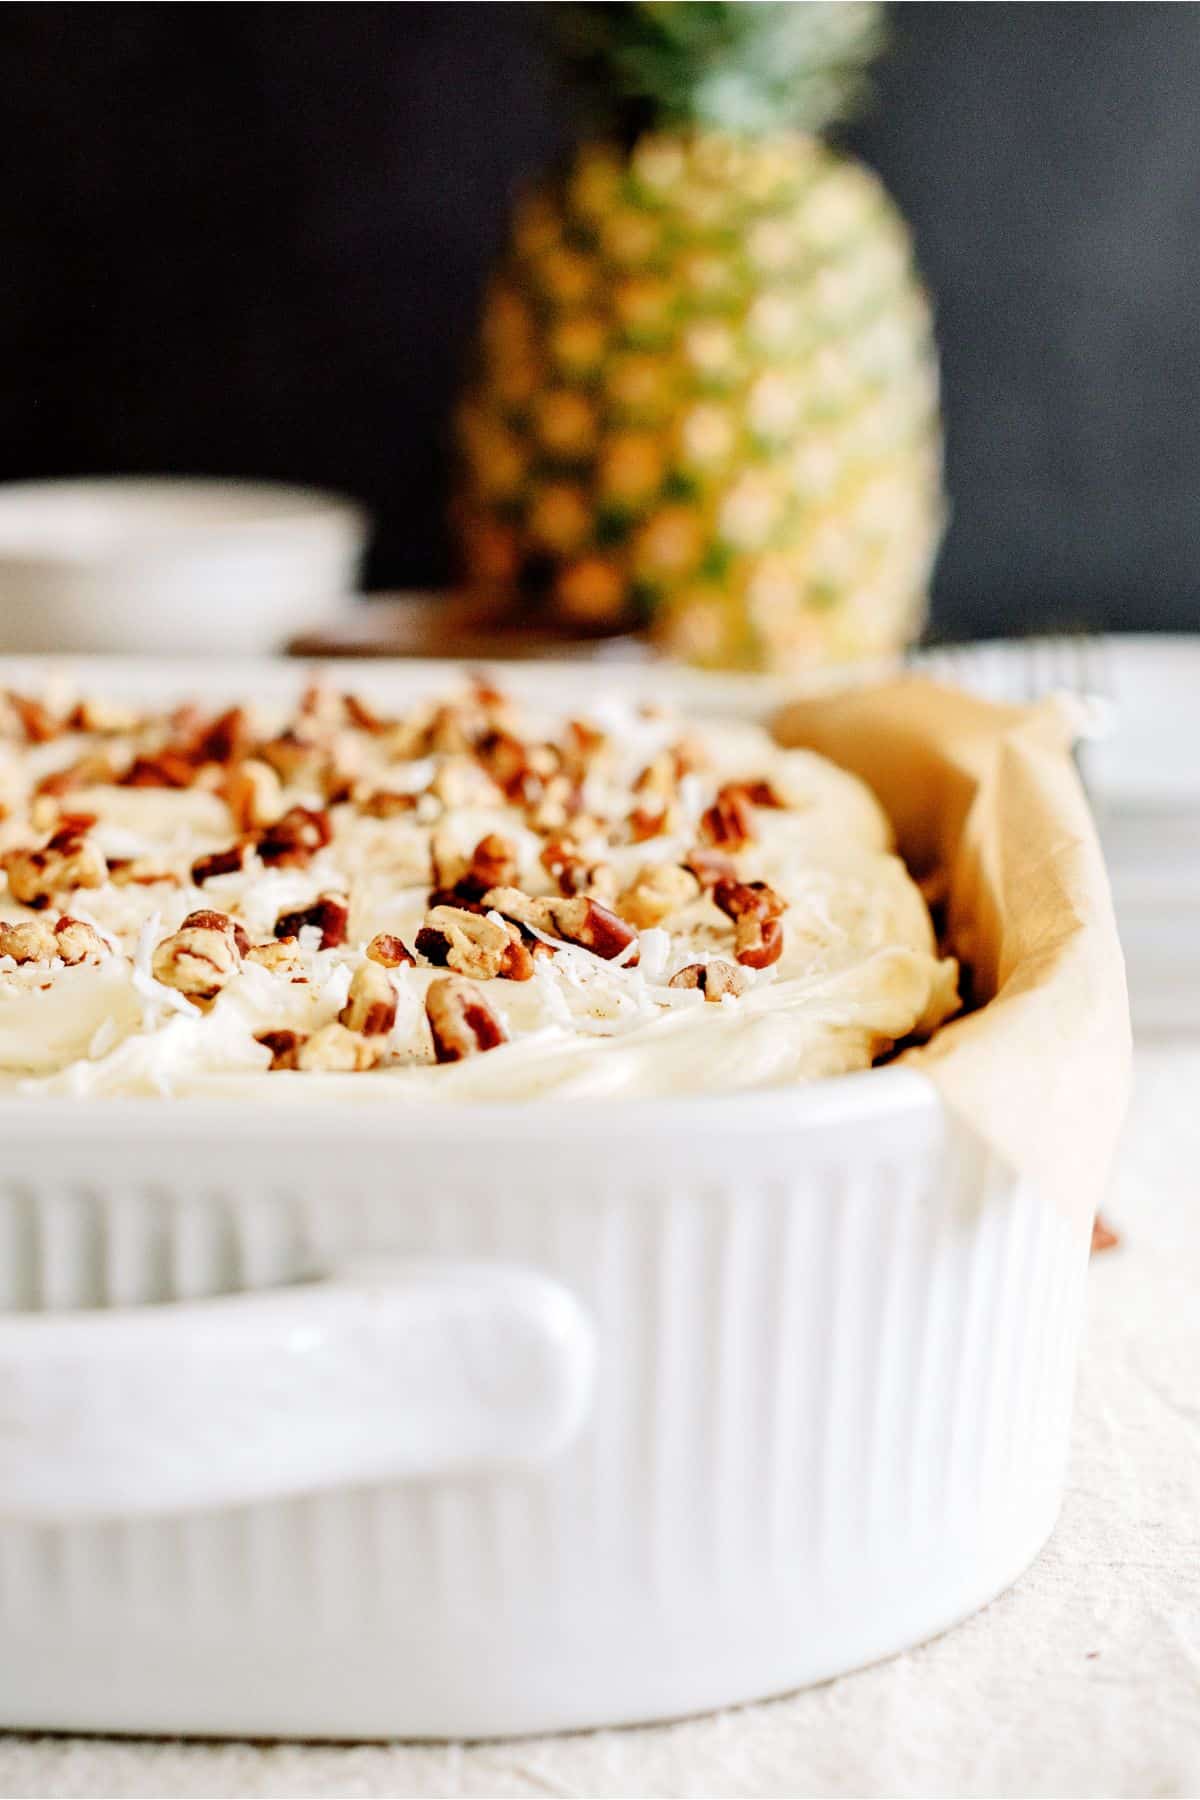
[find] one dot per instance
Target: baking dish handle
(387, 1369)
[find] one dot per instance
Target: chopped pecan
(296, 759)
(35, 719)
(336, 1047)
(92, 770)
(574, 874)
(281, 956)
(729, 821)
(219, 862)
(584, 745)
(460, 1020)
(330, 913)
(78, 942)
(493, 863)
(689, 755)
(592, 925)
(657, 893)
(460, 782)
(384, 803)
(207, 920)
(104, 718)
(710, 866)
(364, 717)
(560, 801)
(28, 941)
(227, 739)
(507, 761)
(371, 1002)
(254, 794)
(646, 822)
(756, 911)
(69, 860)
(197, 960)
(521, 908)
(389, 951)
(657, 782)
(760, 792)
(166, 769)
(469, 943)
(715, 979)
(319, 706)
(293, 840)
(284, 1047)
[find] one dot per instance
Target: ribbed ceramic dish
(328, 1424)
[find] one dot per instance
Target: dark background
(250, 239)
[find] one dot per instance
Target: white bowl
(171, 566)
(329, 1422)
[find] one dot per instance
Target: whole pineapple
(706, 395)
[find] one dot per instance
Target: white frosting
(859, 970)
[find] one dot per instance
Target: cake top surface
(466, 899)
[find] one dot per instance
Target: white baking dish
(510, 1419)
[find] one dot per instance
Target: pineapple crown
(719, 64)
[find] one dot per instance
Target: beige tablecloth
(1084, 1679)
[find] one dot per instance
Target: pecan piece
(93, 770)
(493, 863)
(460, 1020)
(470, 944)
(336, 1047)
(715, 979)
(518, 907)
(167, 769)
(657, 893)
(710, 866)
(756, 911)
(560, 800)
(35, 719)
(646, 822)
(574, 874)
(207, 920)
(330, 913)
(461, 782)
(78, 942)
(28, 941)
(657, 782)
(67, 861)
(281, 956)
(226, 739)
(371, 1002)
(389, 951)
(364, 717)
(297, 760)
(760, 792)
(293, 840)
(219, 862)
(729, 821)
(595, 927)
(197, 960)
(102, 717)
(284, 1047)
(254, 794)
(385, 803)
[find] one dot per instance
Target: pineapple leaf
(722, 64)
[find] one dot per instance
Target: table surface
(1084, 1679)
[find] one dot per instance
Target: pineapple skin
(706, 400)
